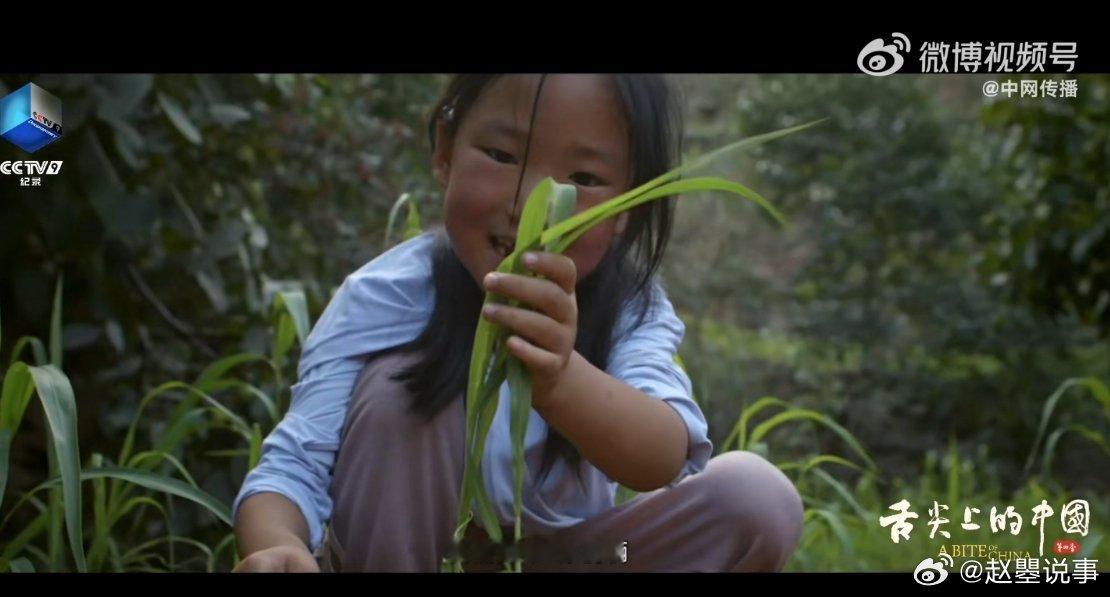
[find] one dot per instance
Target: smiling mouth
(503, 245)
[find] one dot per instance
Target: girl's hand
(283, 558)
(543, 339)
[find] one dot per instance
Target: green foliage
(849, 538)
(1101, 394)
(188, 202)
(131, 488)
(53, 389)
(1049, 224)
(944, 276)
(874, 309)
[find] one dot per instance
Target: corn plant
(809, 469)
(844, 541)
(122, 488)
(1099, 391)
(50, 384)
(490, 363)
(412, 220)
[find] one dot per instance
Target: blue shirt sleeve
(643, 357)
(383, 304)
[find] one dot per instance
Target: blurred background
(934, 322)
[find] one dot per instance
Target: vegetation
(932, 327)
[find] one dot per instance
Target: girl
(384, 464)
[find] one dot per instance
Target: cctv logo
(880, 59)
(30, 118)
(31, 167)
(54, 126)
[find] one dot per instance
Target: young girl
(384, 463)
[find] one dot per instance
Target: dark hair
(439, 374)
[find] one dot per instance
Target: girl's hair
(440, 372)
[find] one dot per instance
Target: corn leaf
(739, 432)
(56, 395)
(21, 565)
(1092, 384)
(157, 483)
(56, 327)
(795, 414)
(38, 350)
(412, 223)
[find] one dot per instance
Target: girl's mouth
(502, 245)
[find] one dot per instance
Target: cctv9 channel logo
(50, 124)
(880, 59)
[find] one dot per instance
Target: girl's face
(579, 137)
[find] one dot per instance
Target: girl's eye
(499, 156)
(586, 179)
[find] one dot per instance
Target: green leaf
(842, 491)
(592, 214)
(284, 334)
(481, 397)
(255, 447)
(215, 372)
(157, 483)
(740, 430)
(38, 350)
(131, 503)
(227, 541)
(520, 408)
(817, 461)
(136, 552)
(21, 565)
(158, 457)
(229, 114)
(832, 520)
(22, 540)
(211, 282)
(178, 118)
(1092, 384)
(804, 414)
(123, 94)
(14, 397)
(623, 203)
(128, 142)
(180, 420)
(390, 222)
(412, 223)
(5, 449)
(1054, 438)
(250, 391)
(56, 327)
(100, 518)
(56, 396)
(294, 303)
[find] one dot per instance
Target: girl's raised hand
(543, 339)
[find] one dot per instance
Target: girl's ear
(622, 222)
(441, 155)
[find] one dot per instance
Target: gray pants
(396, 487)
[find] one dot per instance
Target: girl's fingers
(543, 331)
(553, 266)
(534, 356)
(542, 294)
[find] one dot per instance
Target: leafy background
(946, 272)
